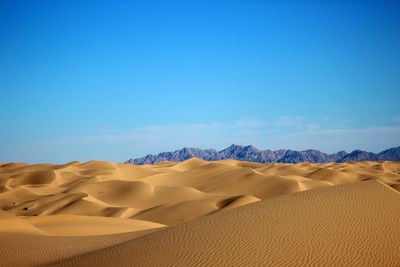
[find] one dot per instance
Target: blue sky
(111, 80)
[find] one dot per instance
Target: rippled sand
(102, 213)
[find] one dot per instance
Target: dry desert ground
(200, 213)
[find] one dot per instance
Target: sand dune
(49, 213)
(348, 225)
(87, 225)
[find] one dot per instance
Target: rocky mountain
(359, 155)
(392, 154)
(251, 153)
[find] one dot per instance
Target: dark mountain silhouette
(392, 154)
(251, 153)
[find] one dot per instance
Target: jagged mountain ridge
(251, 153)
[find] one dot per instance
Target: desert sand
(200, 213)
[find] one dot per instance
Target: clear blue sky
(112, 80)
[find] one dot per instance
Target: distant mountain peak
(235, 145)
(253, 154)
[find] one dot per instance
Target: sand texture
(199, 213)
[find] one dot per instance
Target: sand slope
(348, 225)
(49, 212)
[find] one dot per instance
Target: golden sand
(102, 213)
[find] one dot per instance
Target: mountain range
(252, 154)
